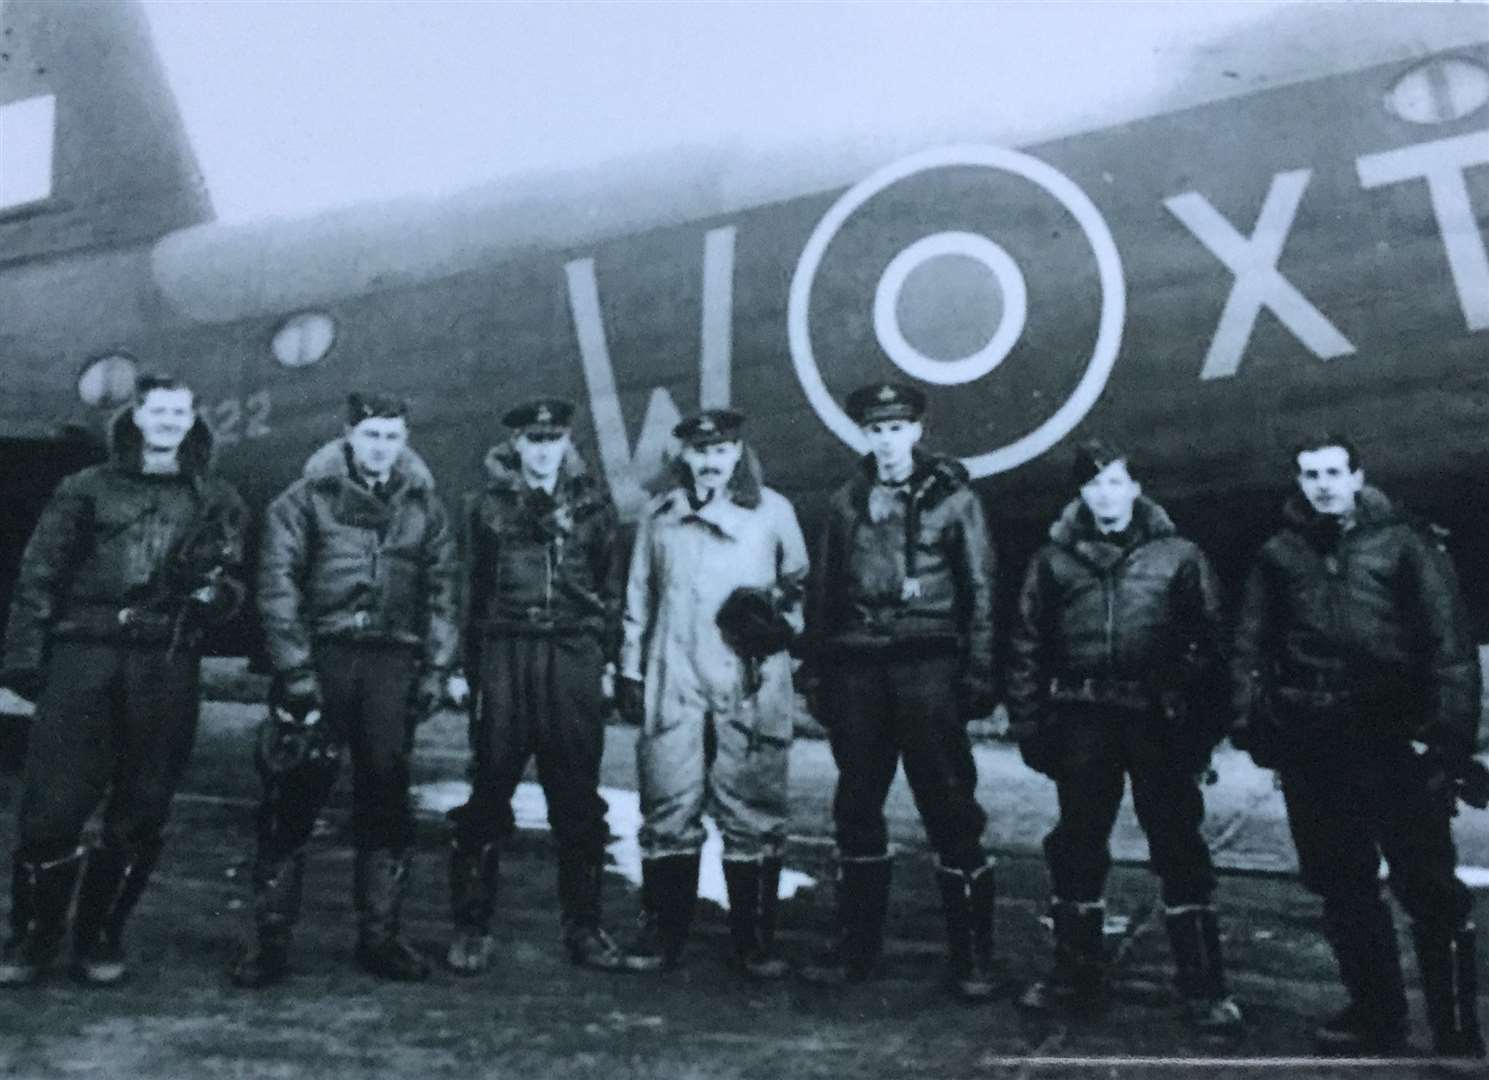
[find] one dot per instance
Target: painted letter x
(1259, 284)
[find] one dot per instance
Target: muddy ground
(536, 1016)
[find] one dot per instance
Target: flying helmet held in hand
(752, 624)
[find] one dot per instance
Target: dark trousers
(1099, 749)
(366, 690)
(883, 708)
(112, 719)
(1346, 810)
(538, 696)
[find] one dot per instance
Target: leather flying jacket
(118, 552)
(1126, 617)
(912, 567)
(1367, 616)
(540, 563)
(341, 562)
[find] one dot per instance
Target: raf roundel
(910, 359)
(1011, 292)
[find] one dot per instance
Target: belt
(1130, 693)
(104, 622)
(1315, 697)
(143, 619)
(539, 620)
(526, 612)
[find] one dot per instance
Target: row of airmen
(1350, 671)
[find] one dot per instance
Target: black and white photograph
(744, 539)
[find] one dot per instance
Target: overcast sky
(295, 106)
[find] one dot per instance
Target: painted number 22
(236, 419)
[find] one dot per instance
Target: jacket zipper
(1109, 593)
(377, 598)
(548, 577)
(1453, 983)
(1334, 565)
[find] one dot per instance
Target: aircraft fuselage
(1203, 286)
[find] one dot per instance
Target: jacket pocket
(522, 572)
(402, 600)
(769, 714)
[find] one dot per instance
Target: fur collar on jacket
(1372, 507)
(333, 462)
(933, 478)
(127, 443)
(576, 484)
(1076, 525)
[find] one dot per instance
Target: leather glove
(1194, 750)
(1197, 762)
(1447, 743)
(1473, 785)
(1039, 746)
(1258, 743)
(427, 695)
(23, 682)
(219, 597)
(1453, 775)
(630, 700)
(808, 684)
(976, 698)
(457, 690)
(299, 693)
(287, 746)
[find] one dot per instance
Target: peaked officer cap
(541, 414)
(710, 426)
(886, 401)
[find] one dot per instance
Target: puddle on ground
(624, 819)
(1114, 926)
